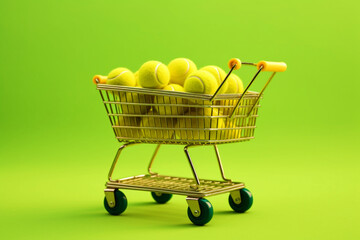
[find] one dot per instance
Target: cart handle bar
(235, 63)
(99, 79)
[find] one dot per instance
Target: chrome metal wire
(167, 117)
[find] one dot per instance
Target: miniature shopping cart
(140, 115)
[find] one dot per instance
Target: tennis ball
(201, 81)
(202, 126)
(153, 74)
(232, 129)
(121, 76)
(138, 102)
(219, 75)
(174, 87)
(235, 84)
(136, 75)
(129, 127)
(155, 127)
(207, 111)
(170, 110)
(179, 69)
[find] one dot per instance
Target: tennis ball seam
(202, 82)
(188, 68)
(217, 70)
(156, 76)
(188, 63)
(118, 75)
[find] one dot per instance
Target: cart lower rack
(175, 185)
(139, 115)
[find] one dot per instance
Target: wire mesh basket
(168, 117)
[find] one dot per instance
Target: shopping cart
(140, 115)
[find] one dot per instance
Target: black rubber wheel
(120, 204)
(206, 213)
(163, 198)
(246, 201)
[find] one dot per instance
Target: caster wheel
(205, 215)
(161, 197)
(246, 201)
(120, 203)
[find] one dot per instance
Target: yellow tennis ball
(217, 125)
(201, 81)
(187, 129)
(203, 125)
(121, 76)
(153, 74)
(233, 130)
(235, 85)
(138, 102)
(179, 69)
(207, 111)
(128, 127)
(174, 87)
(136, 75)
(219, 75)
(170, 110)
(155, 127)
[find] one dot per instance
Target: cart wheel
(246, 201)
(161, 197)
(120, 203)
(206, 213)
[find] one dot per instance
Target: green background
(56, 143)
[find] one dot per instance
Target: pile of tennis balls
(181, 75)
